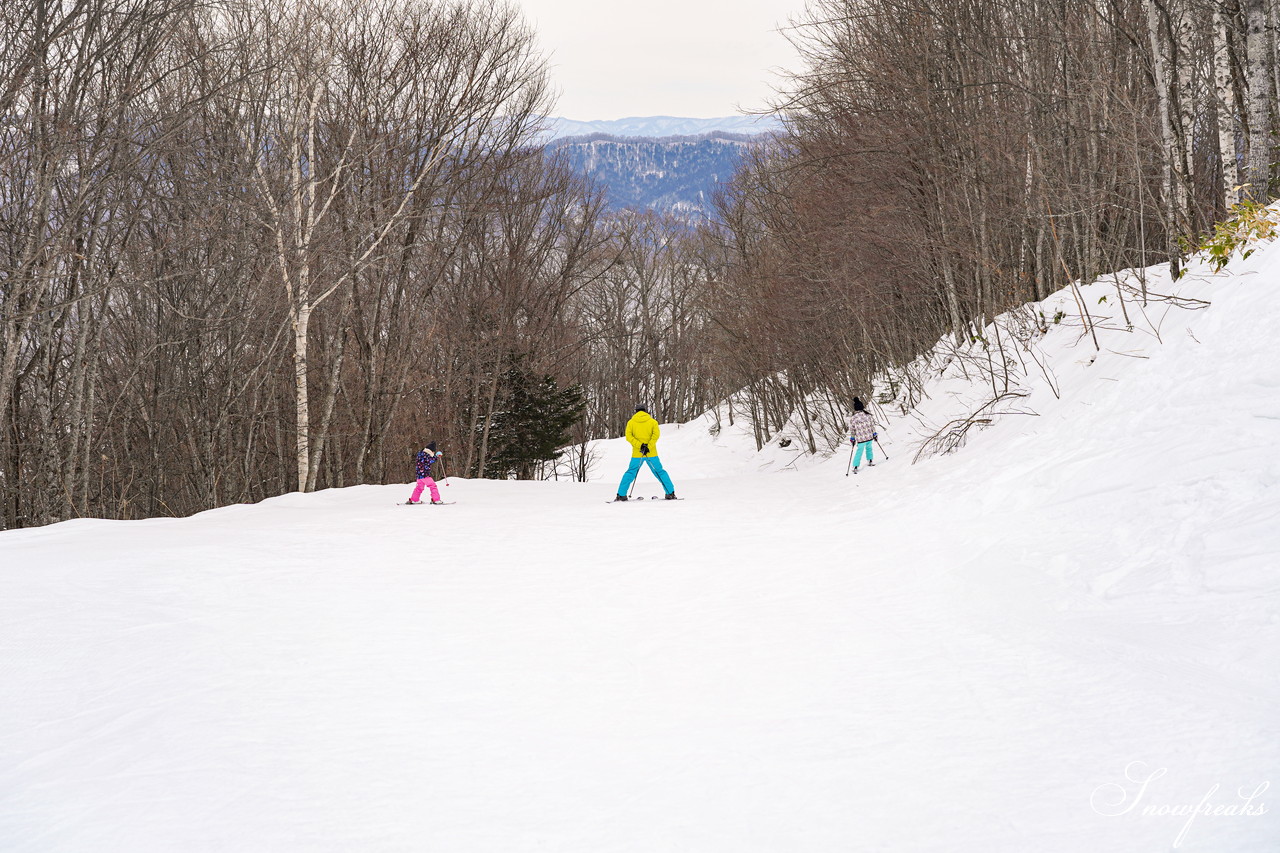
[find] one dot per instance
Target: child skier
(642, 434)
(426, 458)
(862, 431)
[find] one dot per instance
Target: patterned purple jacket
(862, 427)
(425, 461)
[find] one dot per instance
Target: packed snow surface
(1061, 636)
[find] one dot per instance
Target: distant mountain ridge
(674, 174)
(660, 126)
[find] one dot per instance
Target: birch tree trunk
(1258, 97)
(302, 411)
(1225, 102)
(1185, 97)
(1171, 185)
(336, 359)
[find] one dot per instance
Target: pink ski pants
(425, 483)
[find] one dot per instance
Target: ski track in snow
(960, 655)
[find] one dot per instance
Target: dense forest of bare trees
(262, 246)
(947, 161)
(265, 245)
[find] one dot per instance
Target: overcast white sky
(698, 58)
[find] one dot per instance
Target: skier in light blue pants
(857, 454)
(642, 435)
(655, 465)
(862, 432)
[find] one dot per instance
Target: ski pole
(881, 446)
(445, 477)
(850, 465)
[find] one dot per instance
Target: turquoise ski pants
(634, 468)
(857, 454)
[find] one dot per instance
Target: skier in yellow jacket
(642, 433)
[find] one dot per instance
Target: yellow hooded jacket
(642, 429)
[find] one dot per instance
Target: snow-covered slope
(1057, 638)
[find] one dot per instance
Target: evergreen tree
(532, 423)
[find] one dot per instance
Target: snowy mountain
(660, 163)
(658, 126)
(1060, 636)
(677, 174)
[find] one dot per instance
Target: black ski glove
(644, 450)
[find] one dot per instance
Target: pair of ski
(640, 498)
(428, 503)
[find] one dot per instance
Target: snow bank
(1053, 639)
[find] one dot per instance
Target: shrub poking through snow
(1250, 222)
